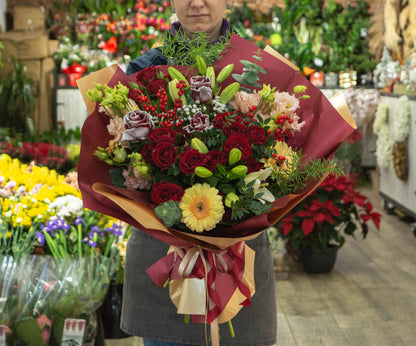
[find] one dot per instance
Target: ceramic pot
(318, 262)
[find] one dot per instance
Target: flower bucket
(73, 77)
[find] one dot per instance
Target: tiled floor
(368, 299)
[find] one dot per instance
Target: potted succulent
(321, 222)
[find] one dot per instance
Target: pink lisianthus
(116, 128)
(295, 125)
(244, 101)
(137, 181)
(284, 102)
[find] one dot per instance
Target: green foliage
(334, 34)
(185, 52)
(18, 99)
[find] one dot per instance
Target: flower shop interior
(364, 50)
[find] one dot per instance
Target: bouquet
(204, 159)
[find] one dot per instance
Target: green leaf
(29, 332)
(116, 176)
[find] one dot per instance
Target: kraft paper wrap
(328, 124)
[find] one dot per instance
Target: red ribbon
(223, 276)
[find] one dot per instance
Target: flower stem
(230, 326)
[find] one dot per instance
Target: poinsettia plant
(334, 210)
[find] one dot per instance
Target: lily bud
(239, 170)
(197, 144)
(230, 199)
(203, 172)
(173, 90)
(234, 156)
(224, 73)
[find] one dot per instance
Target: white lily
(258, 186)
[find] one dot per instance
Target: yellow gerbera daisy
(201, 207)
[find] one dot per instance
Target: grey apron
(148, 311)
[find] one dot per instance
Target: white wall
(3, 7)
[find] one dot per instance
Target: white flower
(384, 147)
(258, 187)
(381, 117)
(68, 205)
(401, 124)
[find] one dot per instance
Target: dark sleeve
(152, 58)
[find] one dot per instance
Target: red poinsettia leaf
(328, 218)
(368, 207)
(304, 213)
(319, 218)
(376, 219)
(287, 227)
(365, 217)
(307, 226)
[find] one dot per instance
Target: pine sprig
(300, 171)
(183, 51)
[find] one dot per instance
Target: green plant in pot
(321, 222)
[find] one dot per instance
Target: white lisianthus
(66, 206)
(258, 186)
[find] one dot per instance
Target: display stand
(399, 193)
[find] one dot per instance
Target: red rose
(164, 191)
(155, 85)
(215, 157)
(239, 141)
(147, 74)
(253, 165)
(191, 159)
(164, 155)
(147, 151)
(256, 135)
(233, 129)
(162, 134)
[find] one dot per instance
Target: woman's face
(201, 15)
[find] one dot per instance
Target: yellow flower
(282, 159)
(202, 207)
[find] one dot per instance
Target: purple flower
(201, 89)
(97, 230)
(138, 124)
(40, 237)
(90, 241)
(116, 229)
(199, 122)
(79, 220)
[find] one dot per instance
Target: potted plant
(321, 222)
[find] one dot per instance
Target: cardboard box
(28, 18)
(25, 44)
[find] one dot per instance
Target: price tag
(73, 333)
